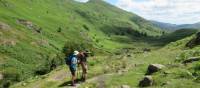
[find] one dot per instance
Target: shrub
(97, 40)
(196, 72)
(12, 74)
(69, 47)
(198, 79)
(6, 84)
(43, 68)
(197, 67)
(86, 27)
(185, 74)
(187, 54)
(59, 29)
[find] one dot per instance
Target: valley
(34, 34)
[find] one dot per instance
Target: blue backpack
(68, 60)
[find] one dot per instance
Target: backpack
(68, 60)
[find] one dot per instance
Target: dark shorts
(73, 71)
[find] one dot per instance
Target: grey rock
(191, 59)
(152, 68)
(146, 81)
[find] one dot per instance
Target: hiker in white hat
(72, 61)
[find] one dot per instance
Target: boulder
(191, 59)
(125, 86)
(146, 81)
(152, 68)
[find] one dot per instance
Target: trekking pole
(78, 73)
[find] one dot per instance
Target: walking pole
(78, 73)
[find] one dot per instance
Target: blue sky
(169, 11)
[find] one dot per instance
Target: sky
(168, 11)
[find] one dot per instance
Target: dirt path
(59, 75)
(100, 80)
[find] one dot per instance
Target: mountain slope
(166, 26)
(169, 26)
(33, 33)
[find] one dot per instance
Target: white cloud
(172, 11)
(82, 0)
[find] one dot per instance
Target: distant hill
(196, 26)
(168, 26)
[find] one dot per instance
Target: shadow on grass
(68, 83)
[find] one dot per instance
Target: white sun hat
(76, 52)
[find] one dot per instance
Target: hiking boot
(73, 84)
(83, 79)
(77, 80)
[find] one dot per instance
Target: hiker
(72, 61)
(82, 56)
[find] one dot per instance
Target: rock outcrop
(191, 59)
(152, 68)
(30, 25)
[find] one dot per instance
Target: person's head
(86, 53)
(76, 53)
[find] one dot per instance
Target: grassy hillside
(174, 75)
(34, 32)
(129, 68)
(177, 35)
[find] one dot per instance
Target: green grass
(25, 52)
(175, 75)
(61, 22)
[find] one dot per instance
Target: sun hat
(76, 52)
